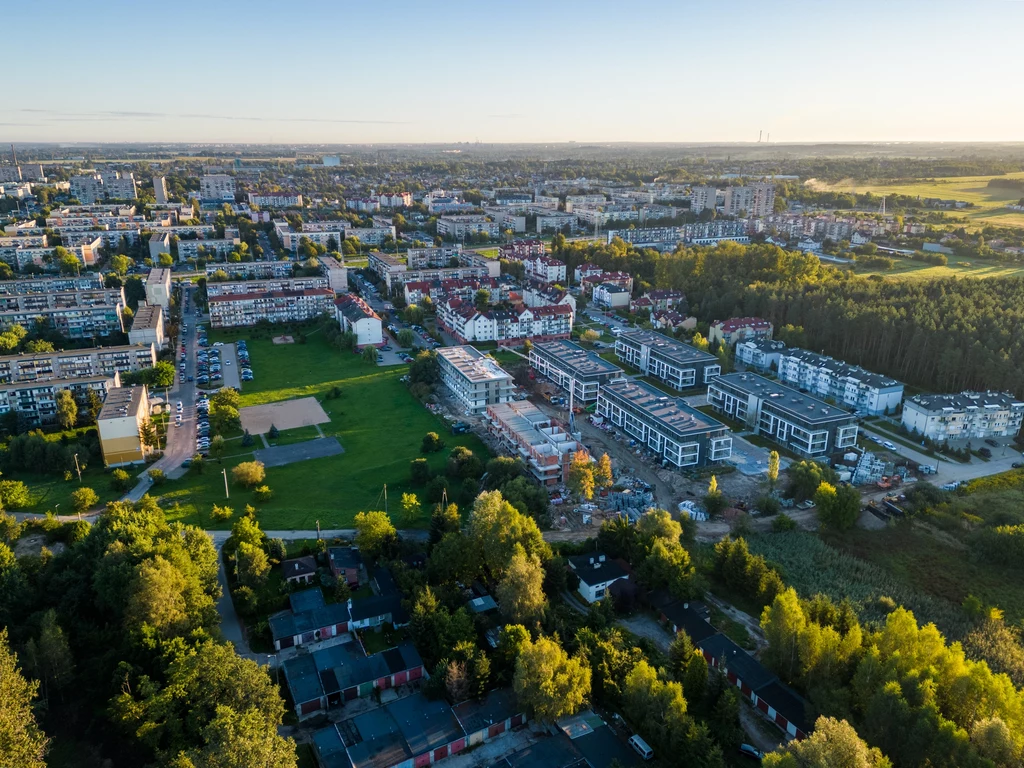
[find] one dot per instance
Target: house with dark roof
(309, 620)
(554, 752)
(685, 618)
(301, 570)
(410, 731)
(373, 612)
(596, 573)
(493, 715)
(347, 563)
(330, 748)
(764, 690)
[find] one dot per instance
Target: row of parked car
(244, 366)
(202, 425)
(208, 367)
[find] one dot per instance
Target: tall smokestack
(759, 135)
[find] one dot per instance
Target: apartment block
(459, 227)
(35, 402)
(679, 365)
(647, 236)
(90, 281)
(864, 391)
(217, 188)
(370, 235)
(276, 200)
(266, 285)
(552, 221)
(800, 422)
(545, 269)
(109, 185)
(120, 422)
(253, 270)
(475, 380)
(75, 363)
(543, 443)
(75, 314)
(507, 327)
(393, 272)
(218, 248)
(159, 243)
(336, 273)
(760, 354)
(357, 316)
(160, 190)
(288, 306)
(682, 436)
(423, 258)
(518, 250)
(755, 200)
(611, 296)
(702, 198)
(158, 288)
(964, 416)
(573, 368)
(148, 326)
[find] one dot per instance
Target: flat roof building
(158, 288)
(474, 379)
(120, 422)
(289, 306)
(148, 326)
(964, 416)
(569, 365)
(682, 436)
(679, 365)
(867, 392)
(543, 443)
(75, 315)
(800, 422)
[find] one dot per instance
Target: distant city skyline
(455, 71)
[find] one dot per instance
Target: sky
(335, 71)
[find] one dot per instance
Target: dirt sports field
(287, 414)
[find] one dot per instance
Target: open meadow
(378, 422)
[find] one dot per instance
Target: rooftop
(671, 413)
(300, 566)
(473, 364)
(147, 316)
(738, 661)
(122, 402)
(735, 323)
(575, 359)
(402, 730)
(307, 599)
(159, 275)
(840, 369)
(496, 707)
(798, 404)
(964, 401)
(667, 348)
(596, 568)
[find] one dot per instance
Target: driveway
(752, 459)
(229, 367)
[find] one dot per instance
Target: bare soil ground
(33, 545)
(287, 414)
(284, 339)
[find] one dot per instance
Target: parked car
(1017, 464)
(992, 442)
(746, 750)
(890, 445)
(985, 452)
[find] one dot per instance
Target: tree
(157, 476)
(161, 375)
(22, 743)
(590, 336)
(50, 657)
(700, 342)
(248, 473)
(581, 475)
(432, 443)
(369, 354)
(495, 527)
(251, 565)
(411, 508)
(120, 264)
(482, 299)
(806, 476)
(603, 472)
(548, 683)
(419, 471)
(773, 468)
(67, 409)
(242, 739)
(834, 744)
(462, 464)
(838, 508)
(375, 535)
(520, 593)
(37, 346)
(120, 480)
(406, 338)
(217, 446)
(224, 418)
(443, 521)
(714, 501)
(83, 499)
(10, 528)
(220, 513)
(148, 435)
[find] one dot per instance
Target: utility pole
(225, 473)
(79, 468)
(318, 530)
(385, 498)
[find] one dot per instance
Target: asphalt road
(229, 367)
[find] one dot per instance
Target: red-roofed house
(740, 329)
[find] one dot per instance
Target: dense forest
(943, 335)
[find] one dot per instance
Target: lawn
(379, 424)
(990, 202)
(52, 493)
(908, 269)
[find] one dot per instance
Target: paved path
(229, 367)
(280, 455)
(951, 471)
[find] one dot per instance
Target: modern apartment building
(459, 227)
(148, 326)
(73, 314)
(543, 443)
(217, 188)
(545, 269)
(474, 379)
(573, 368)
(679, 365)
(682, 436)
(75, 363)
(800, 422)
(508, 327)
(288, 306)
(611, 296)
(394, 272)
(760, 354)
(160, 190)
(357, 316)
(158, 288)
(120, 422)
(964, 416)
(866, 392)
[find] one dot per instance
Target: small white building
(611, 295)
(597, 573)
(355, 315)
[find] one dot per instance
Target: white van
(641, 747)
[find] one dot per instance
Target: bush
(247, 439)
(276, 549)
(120, 480)
(249, 473)
(273, 433)
(84, 499)
(14, 494)
(263, 493)
(157, 476)
(783, 523)
(419, 472)
(432, 443)
(221, 513)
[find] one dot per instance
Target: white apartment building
(552, 221)
(611, 296)
(459, 227)
(148, 326)
(217, 187)
(851, 385)
(276, 200)
(160, 190)
(760, 354)
(35, 402)
(396, 200)
(206, 249)
(964, 416)
(573, 369)
(265, 285)
(370, 235)
(474, 379)
(545, 269)
(702, 198)
(109, 185)
(356, 316)
(679, 365)
(288, 306)
(75, 363)
(754, 200)
(158, 288)
(79, 314)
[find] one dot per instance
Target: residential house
(739, 329)
(356, 316)
(760, 354)
(347, 563)
(300, 570)
(597, 572)
(573, 368)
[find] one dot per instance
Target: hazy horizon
(536, 73)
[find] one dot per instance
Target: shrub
(273, 433)
(432, 443)
(157, 476)
(120, 480)
(419, 472)
(783, 523)
(249, 473)
(263, 493)
(276, 549)
(247, 439)
(14, 494)
(83, 499)
(221, 513)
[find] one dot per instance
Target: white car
(890, 445)
(180, 407)
(218, 343)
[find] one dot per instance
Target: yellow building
(119, 422)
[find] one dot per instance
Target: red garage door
(422, 760)
(441, 753)
(415, 674)
(517, 720)
(496, 729)
(287, 642)
(401, 677)
(310, 706)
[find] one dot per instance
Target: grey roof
(572, 358)
(303, 679)
(671, 414)
(840, 369)
(330, 748)
(602, 747)
(307, 600)
(596, 572)
(689, 621)
(787, 703)
(482, 604)
(666, 348)
(496, 707)
(767, 345)
(402, 730)
(345, 557)
(299, 566)
(738, 661)
(798, 404)
(965, 400)
(553, 752)
(290, 624)
(378, 605)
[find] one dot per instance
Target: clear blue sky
(519, 70)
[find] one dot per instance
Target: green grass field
(908, 269)
(379, 424)
(52, 493)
